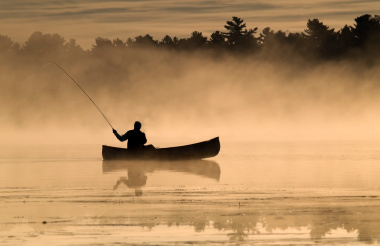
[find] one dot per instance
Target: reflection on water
(137, 170)
(322, 222)
(251, 216)
(259, 194)
(205, 168)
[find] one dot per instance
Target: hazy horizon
(84, 20)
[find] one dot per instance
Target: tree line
(317, 41)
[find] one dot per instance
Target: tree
(321, 38)
(73, 47)
(367, 29)
(142, 42)
(346, 39)
(73, 50)
(217, 39)
(238, 35)
(197, 40)
(119, 44)
(169, 42)
(8, 49)
(317, 33)
(6, 44)
(102, 46)
(45, 47)
(280, 45)
(269, 38)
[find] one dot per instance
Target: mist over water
(239, 85)
(182, 97)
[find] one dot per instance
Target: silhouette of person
(136, 138)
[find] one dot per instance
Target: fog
(182, 97)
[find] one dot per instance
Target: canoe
(195, 151)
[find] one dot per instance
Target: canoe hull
(195, 151)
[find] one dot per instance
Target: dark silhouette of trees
(146, 41)
(73, 47)
(321, 39)
(318, 42)
(217, 39)
(367, 33)
(280, 45)
(367, 29)
(271, 40)
(102, 47)
(9, 50)
(346, 39)
(196, 41)
(269, 37)
(44, 47)
(111, 50)
(169, 42)
(272, 43)
(101, 43)
(6, 45)
(119, 44)
(74, 51)
(238, 36)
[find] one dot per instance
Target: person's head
(137, 125)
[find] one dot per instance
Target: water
(261, 193)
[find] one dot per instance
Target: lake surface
(261, 193)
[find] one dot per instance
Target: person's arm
(121, 138)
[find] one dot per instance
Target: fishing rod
(83, 92)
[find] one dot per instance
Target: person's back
(136, 138)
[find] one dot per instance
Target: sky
(84, 20)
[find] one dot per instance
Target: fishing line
(82, 91)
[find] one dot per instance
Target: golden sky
(84, 20)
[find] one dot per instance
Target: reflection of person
(136, 179)
(136, 138)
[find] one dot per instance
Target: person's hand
(114, 131)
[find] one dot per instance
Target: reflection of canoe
(200, 150)
(203, 168)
